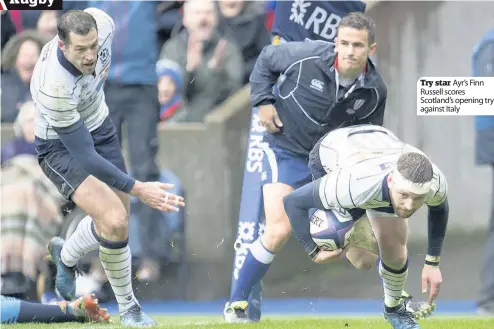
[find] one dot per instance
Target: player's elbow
(289, 202)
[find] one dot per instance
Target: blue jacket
(134, 49)
(483, 66)
(315, 20)
(306, 99)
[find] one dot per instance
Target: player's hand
(269, 118)
(194, 54)
(431, 276)
(154, 194)
(325, 256)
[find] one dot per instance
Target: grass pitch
(343, 322)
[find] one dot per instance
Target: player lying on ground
(83, 309)
(79, 151)
(370, 171)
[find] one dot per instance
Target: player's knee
(364, 263)
(395, 260)
(115, 226)
(275, 236)
(362, 259)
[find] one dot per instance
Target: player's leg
(66, 174)
(284, 173)
(392, 234)
(364, 251)
(82, 241)
(115, 255)
(364, 255)
(83, 309)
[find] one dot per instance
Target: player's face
(82, 51)
(353, 49)
(404, 202)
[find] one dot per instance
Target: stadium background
(415, 39)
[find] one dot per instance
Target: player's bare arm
(437, 224)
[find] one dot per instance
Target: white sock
(393, 283)
(116, 260)
(82, 241)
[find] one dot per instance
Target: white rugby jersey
(357, 160)
(62, 94)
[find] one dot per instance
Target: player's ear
(61, 45)
(336, 44)
(390, 180)
(372, 49)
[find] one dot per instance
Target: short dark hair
(76, 21)
(359, 21)
(415, 167)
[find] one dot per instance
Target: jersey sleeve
(335, 192)
(439, 189)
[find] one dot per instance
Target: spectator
(212, 65)
(30, 214)
(19, 57)
(169, 19)
(483, 66)
(23, 143)
(244, 22)
(170, 85)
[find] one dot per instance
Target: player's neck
(349, 75)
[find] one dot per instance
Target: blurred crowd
(171, 63)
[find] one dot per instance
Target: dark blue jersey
(316, 20)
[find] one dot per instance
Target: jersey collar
(66, 64)
(385, 189)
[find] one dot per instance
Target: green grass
(343, 322)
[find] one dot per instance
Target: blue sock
(18, 311)
(255, 266)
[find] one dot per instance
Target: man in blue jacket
(322, 87)
(483, 66)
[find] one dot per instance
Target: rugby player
(82, 309)
(79, 152)
(369, 171)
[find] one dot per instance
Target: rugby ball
(331, 230)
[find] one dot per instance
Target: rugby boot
(134, 317)
(236, 312)
(401, 318)
(65, 278)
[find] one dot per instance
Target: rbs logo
(319, 22)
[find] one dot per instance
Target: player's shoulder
(358, 185)
(374, 78)
(106, 25)
(302, 50)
